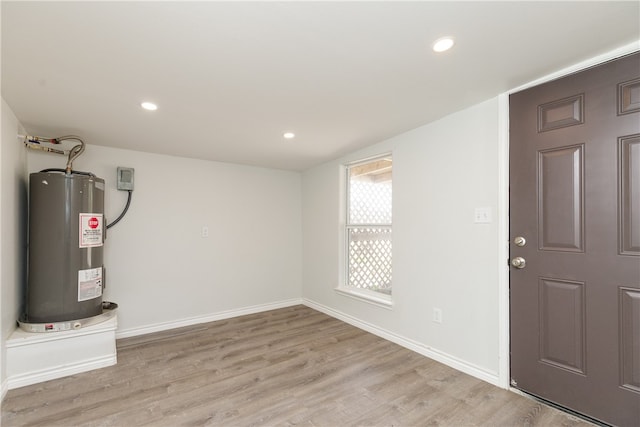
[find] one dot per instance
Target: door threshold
(580, 415)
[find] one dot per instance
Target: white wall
(160, 271)
(13, 223)
(441, 173)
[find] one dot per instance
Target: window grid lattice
(370, 203)
(370, 259)
(370, 248)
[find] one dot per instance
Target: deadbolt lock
(520, 241)
(518, 262)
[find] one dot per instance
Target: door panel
(629, 96)
(561, 199)
(575, 198)
(630, 338)
(561, 113)
(562, 327)
(629, 195)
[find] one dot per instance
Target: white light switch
(482, 216)
(205, 231)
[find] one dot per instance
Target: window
(368, 228)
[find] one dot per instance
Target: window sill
(369, 297)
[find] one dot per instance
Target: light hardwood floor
(293, 366)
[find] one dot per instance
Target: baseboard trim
(439, 356)
(222, 315)
(35, 377)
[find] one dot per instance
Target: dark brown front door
(575, 199)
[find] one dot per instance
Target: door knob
(518, 262)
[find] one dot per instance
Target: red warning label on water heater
(90, 234)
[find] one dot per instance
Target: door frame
(504, 325)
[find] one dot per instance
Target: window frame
(373, 297)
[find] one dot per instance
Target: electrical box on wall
(125, 178)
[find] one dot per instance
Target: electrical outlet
(205, 231)
(437, 315)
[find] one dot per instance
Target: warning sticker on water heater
(89, 284)
(90, 230)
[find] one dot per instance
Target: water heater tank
(66, 238)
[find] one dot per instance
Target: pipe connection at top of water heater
(34, 142)
(75, 151)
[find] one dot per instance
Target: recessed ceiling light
(149, 106)
(289, 135)
(442, 44)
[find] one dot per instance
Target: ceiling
(230, 78)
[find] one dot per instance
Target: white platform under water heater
(34, 358)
